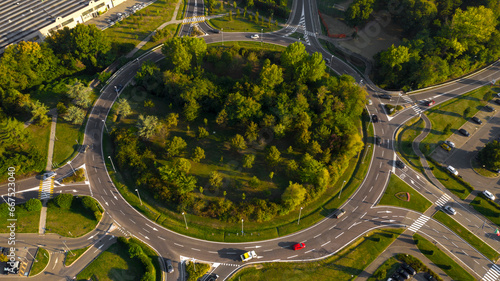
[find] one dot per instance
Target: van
(337, 214)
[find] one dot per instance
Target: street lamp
(185, 221)
(241, 226)
(137, 190)
(112, 163)
(341, 189)
(261, 36)
(300, 212)
(67, 248)
(222, 33)
(104, 122)
(69, 162)
(366, 153)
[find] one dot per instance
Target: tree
(172, 120)
(474, 26)
(248, 160)
(196, 46)
(252, 132)
(147, 126)
(270, 75)
(176, 146)
(149, 77)
(273, 156)
(123, 107)
(490, 155)
(177, 54)
(64, 200)
(257, 17)
(33, 205)
(39, 112)
(294, 195)
(221, 118)
(215, 179)
(293, 55)
(395, 56)
(191, 110)
(74, 115)
(12, 132)
(238, 142)
(314, 148)
(182, 165)
(202, 133)
(254, 182)
(198, 154)
(80, 94)
(359, 11)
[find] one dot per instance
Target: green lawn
(65, 145)
(172, 29)
(482, 171)
(345, 265)
(75, 222)
(72, 256)
(42, 259)
(241, 25)
(40, 137)
(113, 264)
(250, 45)
(405, 138)
(386, 269)
(490, 210)
(452, 112)
(450, 181)
(398, 187)
(467, 235)
(440, 259)
(27, 222)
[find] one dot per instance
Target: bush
(201, 269)
(64, 200)
(33, 205)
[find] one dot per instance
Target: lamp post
(300, 212)
(241, 226)
(399, 96)
(137, 190)
(261, 31)
(64, 242)
(112, 163)
(69, 162)
(104, 122)
(185, 221)
(222, 32)
(366, 153)
(341, 188)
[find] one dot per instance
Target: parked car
(212, 277)
(450, 143)
(84, 148)
(370, 102)
(170, 267)
(374, 118)
(255, 36)
(450, 210)
(488, 195)
(397, 276)
(337, 214)
(403, 273)
(452, 170)
(400, 164)
(299, 246)
(429, 277)
(497, 101)
(327, 60)
(445, 147)
(477, 120)
(464, 132)
(489, 108)
(430, 102)
(385, 96)
(409, 269)
(49, 175)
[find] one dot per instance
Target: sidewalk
(43, 218)
(52, 139)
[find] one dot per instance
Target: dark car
(477, 120)
(497, 101)
(327, 60)
(409, 269)
(215, 30)
(403, 273)
(374, 118)
(400, 164)
(464, 132)
(397, 276)
(429, 103)
(378, 140)
(84, 148)
(429, 277)
(489, 108)
(385, 96)
(170, 268)
(212, 277)
(118, 88)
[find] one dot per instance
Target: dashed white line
(445, 237)
(292, 256)
(364, 198)
(371, 187)
(161, 238)
(380, 166)
(332, 227)
(99, 180)
(309, 251)
(376, 177)
(178, 245)
(146, 230)
(325, 243)
(105, 192)
(454, 244)
(317, 236)
(122, 212)
(132, 221)
(269, 250)
(196, 249)
(339, 235)
(212, 252)
(363, 215)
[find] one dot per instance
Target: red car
(431, 102)
(299, 246)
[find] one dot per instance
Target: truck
(248, 256)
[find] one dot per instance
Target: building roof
(19, 18)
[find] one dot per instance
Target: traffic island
(42, 259)
(400, 194)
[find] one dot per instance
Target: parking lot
(118, 13)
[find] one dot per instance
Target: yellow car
(445, 147)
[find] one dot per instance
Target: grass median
(73, 222)
(72, 256)
(468, 236)
(405, 138)
(396, 194)
(456, 186)
(440, 259)
(240, 24)
(347, 264)
(27, 221)
(489, 209)
(42, 260)
(386, 269)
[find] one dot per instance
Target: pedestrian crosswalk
(46, 189)
(229, 264)
(492, 274)
(302, 26)
(442, 200)
(407, 98)
(417, 109)
(193, 19)
(418, 223)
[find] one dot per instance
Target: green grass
(251, 45)
(132, 30)
(72, 256)
(172, 28)
(40, 137)
(241, 24)
(350, 261)
(196, 270)
(389, 267)
(397, 186)
(467, 236)
(75, 222)
(42, 259)
(440, 259)
(113, 264)
(489, 209)
(449, 181)
(27, 222)
(482, 171)
(452, 112)
(65, 145)
(182, 10)
(405, 139)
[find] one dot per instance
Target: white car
(450, 210)
(452, 170)
(489, 195)
(450, 143)
(49, 175)
(255, 36)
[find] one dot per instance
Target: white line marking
(178, 245)
(317, 236)
(339, 235)
(325, 243)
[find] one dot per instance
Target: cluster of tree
(136, 251)
(289, 95)
(359, 12)
(444, 39)
(32, 205)
(490, 155)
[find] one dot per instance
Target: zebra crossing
(302, 25)
(442, 200)
(417, 109)
(492, 274)
(419, 223)
(46, 189)
(407, 99)
(229, 264)
(193, 19)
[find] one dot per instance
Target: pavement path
(53, 124)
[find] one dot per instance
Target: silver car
(488, 195)
(48, 175)
(450, 210)
(170, 268)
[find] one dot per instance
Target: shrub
(64, 200)
(33, 205)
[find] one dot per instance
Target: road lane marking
(317, 236)
(332, 227)
(132, 221)
(292, 256)
(268, 250)
(178, 245)
(122, 212)
(364, 198)
(376, 177)
(345, 218)
(380, 166)
(371, 187)
(339, 235)
(161, 238)
(212, 252)
(354, 224)
(152, 227)
(309, 251)
(99, 180)
(146, 230)
(355, 208)
(196, 249)
(445, 237)
(363, 215)
(105, 192)
(55, 263)
(454, 244)
(325, 243)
